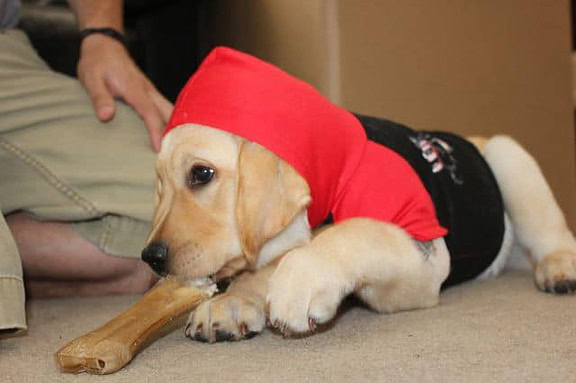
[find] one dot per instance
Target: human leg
(59, 262)
(12, 318)
(78, 192)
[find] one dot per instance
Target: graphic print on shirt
(438, 153)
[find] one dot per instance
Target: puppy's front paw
(556, 273)
(226, 317)
(304, 291)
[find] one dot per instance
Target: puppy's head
(220, 202)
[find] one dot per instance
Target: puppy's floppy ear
(269, 196)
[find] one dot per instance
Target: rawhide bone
(112, 346)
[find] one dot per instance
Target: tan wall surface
(287, 33)
(473, 67)
(469, 66)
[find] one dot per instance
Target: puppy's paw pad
(223, 336)
(556, 273)
(197, 335)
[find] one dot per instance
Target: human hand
(108, 73)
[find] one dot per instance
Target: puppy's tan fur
(250, 221)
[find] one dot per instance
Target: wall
(288, 33)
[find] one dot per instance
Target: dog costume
(431, 184)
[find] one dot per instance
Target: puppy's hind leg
(539, 223)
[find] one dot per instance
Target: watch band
(110, 32)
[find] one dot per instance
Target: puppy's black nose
(156, 255)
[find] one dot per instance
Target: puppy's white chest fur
(294, 235)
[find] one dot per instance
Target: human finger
(102, 98)
(150, 114)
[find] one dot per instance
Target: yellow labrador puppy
(232, 201)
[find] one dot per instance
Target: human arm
(107, 71)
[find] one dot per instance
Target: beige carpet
(502, 330)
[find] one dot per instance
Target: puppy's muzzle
(156, 256)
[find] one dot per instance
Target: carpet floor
(501, 330)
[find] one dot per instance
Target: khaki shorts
(59, 163)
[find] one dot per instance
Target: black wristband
(110, 32)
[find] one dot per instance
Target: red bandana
(348, 175)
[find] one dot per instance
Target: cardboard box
(473, 67)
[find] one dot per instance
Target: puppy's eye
(199, 175)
